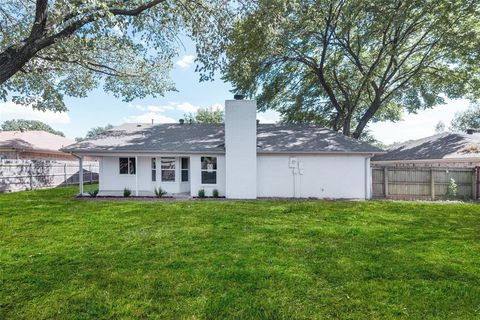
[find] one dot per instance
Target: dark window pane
(184, 175)
(123, 165)
(154, 163)
(154, 175)
(168, 175)
(168, 163)
(209, 163)
(131, 165)
(185, 163)
(209, 177)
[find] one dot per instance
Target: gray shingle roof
(440, 146)
(196, 138)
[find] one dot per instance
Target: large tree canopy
(53, 48)
(205, 115)
(95, 131)
(19, 124)
(468, 119)
(345, 63)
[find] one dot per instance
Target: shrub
(215, 193)
(452, 188)
(201, 193)
(160, 192)
(127, 192)
(93, 193)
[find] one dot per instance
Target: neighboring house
(33, 145)
(446, 149)
(241, 159)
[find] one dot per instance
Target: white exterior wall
(241, 149)
(324, 176)
(196, 176)
(111, 181)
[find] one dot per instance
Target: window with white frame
(154, 169)
(209, 170)
(185, 167)
(168, 169)
(127, 166)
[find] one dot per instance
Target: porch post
(80, 174)
(136, 176)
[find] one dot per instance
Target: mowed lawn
(62, 258)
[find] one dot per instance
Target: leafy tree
(205, 115)
(92, 133)
(346, 63)
(18, 124)
(440, 127)
(468, 119)
(49, 49)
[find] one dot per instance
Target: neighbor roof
(440, 146)
(204, 138)
(33, 140)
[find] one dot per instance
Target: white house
(241, 159)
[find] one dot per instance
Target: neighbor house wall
(324, 176)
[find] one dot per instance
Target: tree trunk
(346, 125)
(14, 59)
(366, 117)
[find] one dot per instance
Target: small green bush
(92, 193)
(160, 192)
(201, 193)
(452, 188)
(215, 193)
(127, 192)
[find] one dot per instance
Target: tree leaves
(125, 47)
(347, 63)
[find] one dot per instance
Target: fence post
(65, 174)
(385, 181)
(474, 183)
(432, 183)
(91, 173)
(30, 171)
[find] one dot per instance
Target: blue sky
(100, 109)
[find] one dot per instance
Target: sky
(100, 108)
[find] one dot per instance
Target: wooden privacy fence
(416, 183)
(17, 175)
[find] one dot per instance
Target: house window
(127, 166)
(209, 170)
(154, 169)
(185, 165)
(168, 169)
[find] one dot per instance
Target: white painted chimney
(241, 148)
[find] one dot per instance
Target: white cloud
(269, 116)
(420, 125)
(185, 62)
(152, 108)
(10, 110)
(147, 118)
(186, 107)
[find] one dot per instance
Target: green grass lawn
(62, 258)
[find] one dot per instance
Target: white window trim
(188, 170)
(152, 161)
(213, 170)
(128, 166)
(174, 170)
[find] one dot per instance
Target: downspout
(136, 176)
